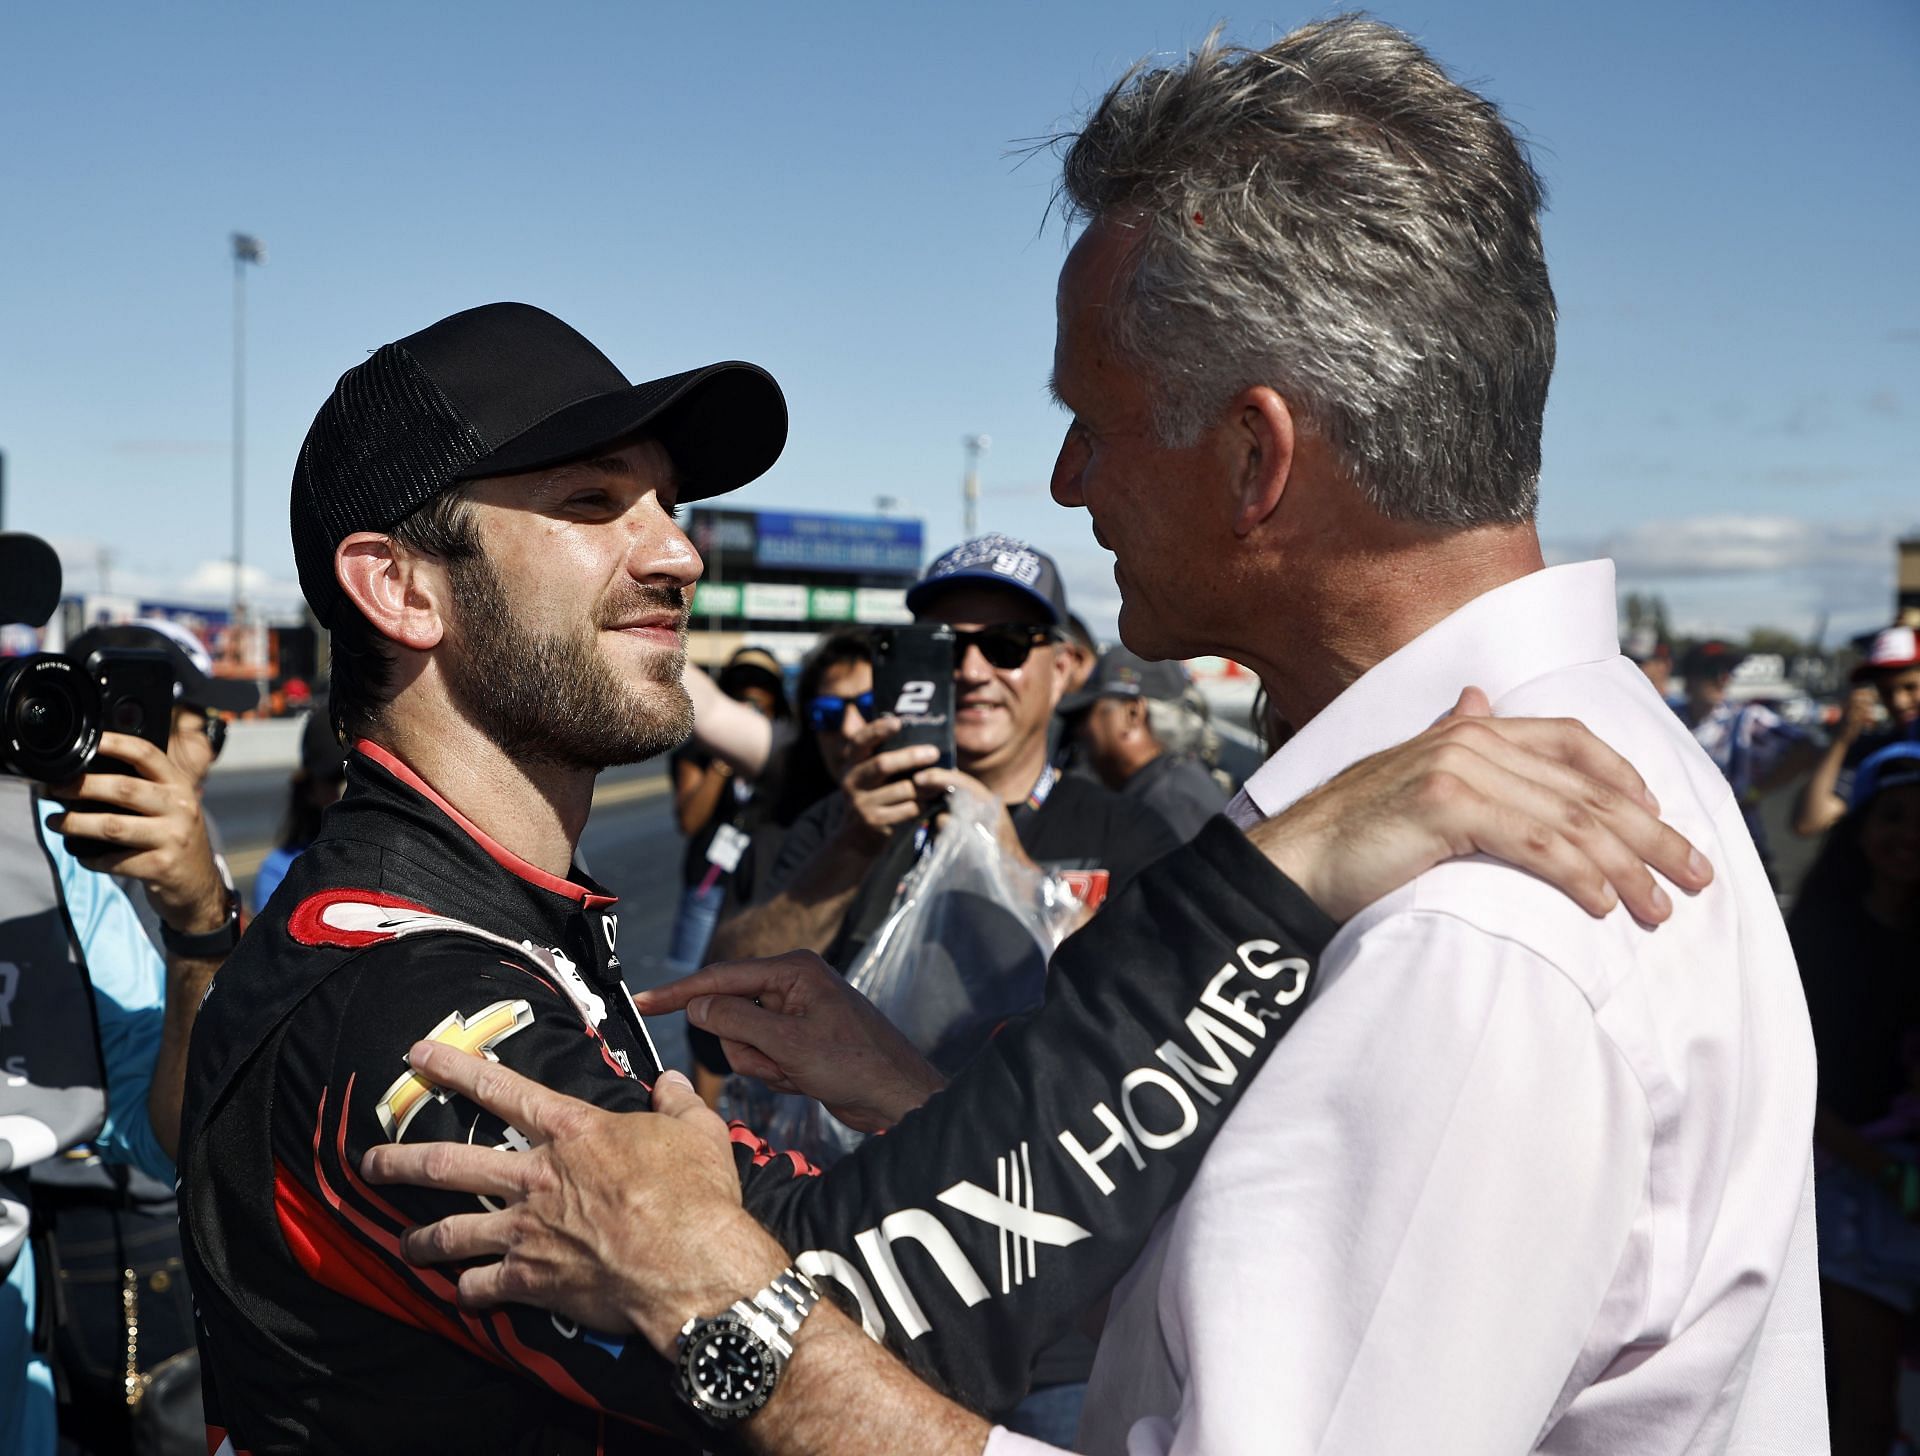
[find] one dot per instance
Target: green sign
(715, 599)
(830, 604)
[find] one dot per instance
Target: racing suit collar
(582, 892)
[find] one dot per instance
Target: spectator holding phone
(840, 866)
(1887, 681)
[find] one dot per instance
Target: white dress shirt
(1521, 1179)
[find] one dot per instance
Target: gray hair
(1175, 727)
(1338, 219)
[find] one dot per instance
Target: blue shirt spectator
(129, 999)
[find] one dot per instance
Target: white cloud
(1695, 546)
(1727, 573)
(87, 567)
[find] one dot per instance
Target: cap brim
(1078, 702)
(723, 425)
(920, 593)
(1869, 670)
(222, 694)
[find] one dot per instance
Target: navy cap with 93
(995, 561)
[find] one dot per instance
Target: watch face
(726, 1370)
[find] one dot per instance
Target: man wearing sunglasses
(840, 867)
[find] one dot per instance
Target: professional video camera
(54, 708)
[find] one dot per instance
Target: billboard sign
(836, 543)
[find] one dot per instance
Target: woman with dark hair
(716, 807)
(1856, 934)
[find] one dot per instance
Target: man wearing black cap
(482, 514)
(840, 866)
(1139, 734)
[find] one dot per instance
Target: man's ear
(1264, 438)
(401, 594)
(1062, 672)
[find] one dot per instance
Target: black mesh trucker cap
(497, 390)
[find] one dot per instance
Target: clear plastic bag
(964, 948)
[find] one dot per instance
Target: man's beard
(553, 699)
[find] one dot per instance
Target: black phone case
(913, 681)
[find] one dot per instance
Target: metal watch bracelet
(786, 1301)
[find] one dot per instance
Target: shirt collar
(1499, 641)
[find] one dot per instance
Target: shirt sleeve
(973, 1235)
(129, 980)
(1416, 1221)
(344, 1086)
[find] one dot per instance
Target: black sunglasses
(826, 712)
(1005, 646)
(216, 730)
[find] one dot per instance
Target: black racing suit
(968, 1238)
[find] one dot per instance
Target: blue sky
(828, 190)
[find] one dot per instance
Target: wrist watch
(209, 945)
(728, 1365)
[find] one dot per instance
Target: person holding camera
(203, 707)
(136, 1004)
(838, 872)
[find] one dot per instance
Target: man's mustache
(644, 600)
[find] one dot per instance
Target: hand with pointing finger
(795, 1023)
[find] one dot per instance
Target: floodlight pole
(976, 446)
(245, 250)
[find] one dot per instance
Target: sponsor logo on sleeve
(479, 1033)
(1158, 1108)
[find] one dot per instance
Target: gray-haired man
(1521, 1178)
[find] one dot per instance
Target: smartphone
(913, 680)
(136, 698)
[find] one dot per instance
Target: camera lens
(49, 718)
